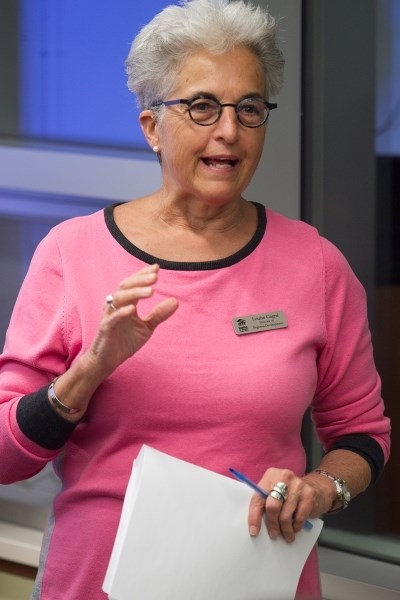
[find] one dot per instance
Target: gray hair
(217, 26)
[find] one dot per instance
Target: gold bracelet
(56, 402)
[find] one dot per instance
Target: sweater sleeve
(35, 352)
(348, 401)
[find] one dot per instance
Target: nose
(228, 124)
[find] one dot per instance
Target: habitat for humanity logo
(241, 325)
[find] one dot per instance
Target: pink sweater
(197, 390)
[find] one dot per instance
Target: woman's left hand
(308, 496)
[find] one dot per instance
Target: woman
(183, 271)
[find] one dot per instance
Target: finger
(145, 276)
(161, 312)
(133, 288)
(286, 524)
(256, 511)
(130, 296)
(273, 508)
(303, 508)
(113, 318)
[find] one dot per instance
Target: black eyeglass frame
(268, 106)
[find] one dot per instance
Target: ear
(149, 127)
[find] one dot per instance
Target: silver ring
(282, 489)
(277, 495)
(110, 301)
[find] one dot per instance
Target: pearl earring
(156, 149)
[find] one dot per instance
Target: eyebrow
(255, 95)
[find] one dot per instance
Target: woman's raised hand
(122, 332)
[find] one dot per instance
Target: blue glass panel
(388, 79)
(73, 83)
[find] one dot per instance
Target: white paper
(183, 535)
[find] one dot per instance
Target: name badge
(261, 322)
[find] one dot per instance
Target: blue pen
(258, 489)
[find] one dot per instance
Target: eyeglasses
(206, 110)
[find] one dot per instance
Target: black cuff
(40, 423)
(365, 446)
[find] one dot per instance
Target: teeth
(219, 163)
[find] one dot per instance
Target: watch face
(345, 494)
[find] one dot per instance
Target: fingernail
(253, 530)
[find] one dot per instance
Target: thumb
(161, 312)
(256, 511)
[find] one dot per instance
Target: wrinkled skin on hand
(122, 332)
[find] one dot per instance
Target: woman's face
(212, 163)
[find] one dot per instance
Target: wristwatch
(343, 495)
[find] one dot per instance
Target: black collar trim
(189, 266)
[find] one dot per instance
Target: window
(351, 191)
(72, 77)
(386, 300)
(63, 66)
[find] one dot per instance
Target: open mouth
(220, 163)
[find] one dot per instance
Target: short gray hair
(217, 26)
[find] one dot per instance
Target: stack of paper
(183, 535)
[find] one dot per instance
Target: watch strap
(342, 493)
